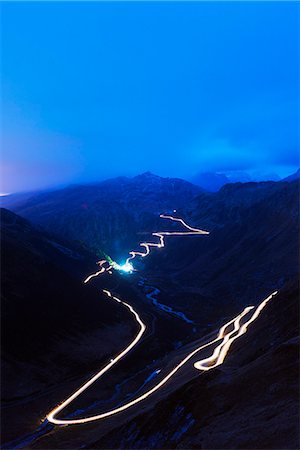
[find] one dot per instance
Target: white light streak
(128, 267)
(161, 235)
(216, 359)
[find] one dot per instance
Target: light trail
(102, 270)
(161, 235)
(222, 350)
(112, 362)
(127, 267)
(215, 360)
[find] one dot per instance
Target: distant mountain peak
(210, 181)
(147, 174)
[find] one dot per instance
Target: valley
(183, 294)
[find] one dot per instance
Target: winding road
(105, 266)
(226, 335)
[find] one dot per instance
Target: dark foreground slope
(53, 326)
(250, 402)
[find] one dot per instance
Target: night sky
(95, 90)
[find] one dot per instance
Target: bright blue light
(127, 267)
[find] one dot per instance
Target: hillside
(52, 326)
(210, 181)
(250, 402)
(251, 250)
(58, 331)
(106, 216)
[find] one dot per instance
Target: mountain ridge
(127, 205)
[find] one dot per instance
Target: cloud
(222, 155)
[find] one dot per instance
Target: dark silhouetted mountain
(252, 249)
(262, 175)
(57, 331)
(211, 182)
(294, 176)
(107, 216)
(238, 177)
(226, 205)
(50, 320)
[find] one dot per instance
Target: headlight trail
(127, 267)
(103, 269)
(161, 235)
(215, 360)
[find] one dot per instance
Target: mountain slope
(53, 327)
(252, 249)
(107, 216)
(250, 402)
(211, 182)
(294, 176)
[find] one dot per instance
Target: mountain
(253, 235)
(252, 249)
(264, 175)
(184, 292)
(106, 216)
(57, 332)
(294, 176)
(52, 326)
(209, 181)
(236, 176)
(212, 182)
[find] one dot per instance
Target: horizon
(58, 187)
(172, 88)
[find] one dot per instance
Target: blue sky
(94, 90)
